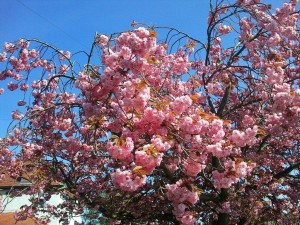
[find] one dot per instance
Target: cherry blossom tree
(171, 130)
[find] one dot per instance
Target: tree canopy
(176, 130)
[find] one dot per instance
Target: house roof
(9, 182)
(9, 219)
(20, 182)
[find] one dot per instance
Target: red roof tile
(8, 219)
(8, 182)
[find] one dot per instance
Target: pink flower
(178, 193)
(3, 57)
(21, 103)
(33, 53)
(281, 101)
(63, 69)
(172, 165)
(216, 130)
(151, 121)
(248, 120)
(23, 43)
(34, 64)
(126, 181)
(121, 151)
(192, 168)
(11, 86)
(224, 29)
(181, 104)
(24, 87)
(216, 149)
(241, 169)
(148, 158)
(181, 196)
(160, 145)
(102, 40)
(193, 125)
(64, 55)
(17, 115)
(187, 220)
(220, 181)
(9, 47)
(63, 125)
(24, 56)
(179, 209)
(242, 139)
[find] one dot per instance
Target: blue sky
(71, 25)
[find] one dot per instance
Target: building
(9, 205)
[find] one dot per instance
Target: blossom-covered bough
(173, 132)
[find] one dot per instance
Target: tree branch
(224, 100)
(285, 172)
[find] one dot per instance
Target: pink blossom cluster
(194, 164)
(148, 158)
(217, 149)
(180, 62)
(224, 29)
(160, 145)
(63, 69)
(126, 181)
(282, 97)
(84, 83)
(17, 115)
(23, 43)
(63, 125)
(29, 149)
(172, 164)
(193, 124)
(122, 152)
(234, 170)
(3, 57)
(102, 40)
(181, 104)
(275, 75)
(64, 55)
(216, 130)
(135, 95)
(138, 41)
(10, 47)
(181, 198)
(12, 86)
(243, 138)
(151, 121)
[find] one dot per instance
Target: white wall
(14, 204)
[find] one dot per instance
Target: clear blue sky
(71, 24)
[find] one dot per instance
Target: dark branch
(285, 172)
